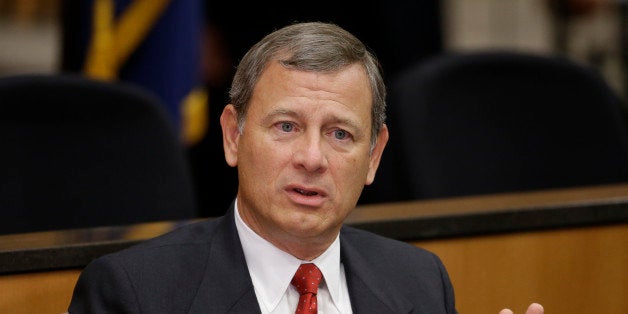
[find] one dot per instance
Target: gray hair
(315, 47)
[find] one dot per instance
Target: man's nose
(310, 153)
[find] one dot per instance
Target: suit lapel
(227, 285)
(369, 292)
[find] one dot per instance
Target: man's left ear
(376, 154)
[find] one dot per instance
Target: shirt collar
(271, 269)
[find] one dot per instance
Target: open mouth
(306, 193)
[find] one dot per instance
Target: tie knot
(307, 278)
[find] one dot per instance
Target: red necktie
(306, 281)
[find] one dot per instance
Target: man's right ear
(230, 134)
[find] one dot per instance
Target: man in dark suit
(306, 130)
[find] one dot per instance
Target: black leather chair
(82, 153)
(502, 121)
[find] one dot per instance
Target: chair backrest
(503, 121)
(83, 153)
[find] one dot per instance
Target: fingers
(535, 308)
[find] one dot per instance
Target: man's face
(303, 157)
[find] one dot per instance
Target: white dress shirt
(271, 271)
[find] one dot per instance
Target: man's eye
(341, 134)
(287, 127)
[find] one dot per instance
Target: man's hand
(534, 308)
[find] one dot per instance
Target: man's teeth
(305, 192)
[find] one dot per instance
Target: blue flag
(155, 44)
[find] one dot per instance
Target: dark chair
(81, 153)
(503, 121)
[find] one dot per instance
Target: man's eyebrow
(347, 122)
(279, 112)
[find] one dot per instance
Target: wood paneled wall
(581, 270)
(43, 292)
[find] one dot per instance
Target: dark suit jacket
(201, 268)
